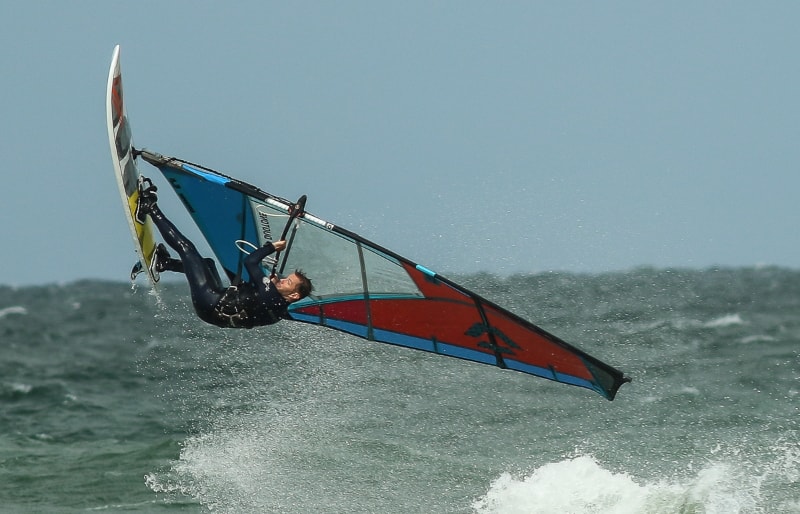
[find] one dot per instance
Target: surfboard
(127, 173)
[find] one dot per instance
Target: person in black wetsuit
(260, 301)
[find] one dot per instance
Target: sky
(505, 137)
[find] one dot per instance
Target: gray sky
(496, 136)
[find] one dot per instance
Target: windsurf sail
(368, 291)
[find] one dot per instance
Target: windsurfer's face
(287, 287)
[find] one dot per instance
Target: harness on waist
(230, 310)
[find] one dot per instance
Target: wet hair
(304, 285)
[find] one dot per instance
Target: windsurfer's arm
(252, 262)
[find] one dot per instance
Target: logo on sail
(494, 343)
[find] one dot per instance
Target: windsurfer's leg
(165, 262)
(213, 274)
(204, 282)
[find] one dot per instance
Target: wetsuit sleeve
(252, 263)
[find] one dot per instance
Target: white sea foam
(21, 388)
(725, 321)
(720, 322)
(760, 338)
(576, 485)
(17, 309)
(582, 485)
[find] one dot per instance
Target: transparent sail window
(333, 264)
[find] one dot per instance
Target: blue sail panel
(229, 220)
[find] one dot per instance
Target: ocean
(114, 400)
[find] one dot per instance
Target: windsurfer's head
(294, 287)
(304, 285)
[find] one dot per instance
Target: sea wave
(725, 321)
(17, 309)
(582, 485)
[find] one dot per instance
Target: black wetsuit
(248, 304)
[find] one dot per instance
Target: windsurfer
(261, 300)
